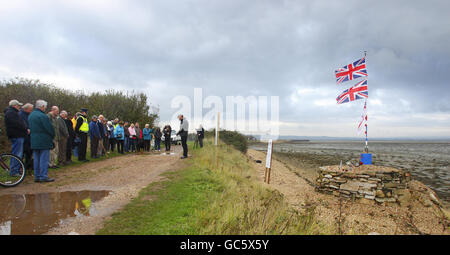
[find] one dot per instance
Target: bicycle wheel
(12, 170)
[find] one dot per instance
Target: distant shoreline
(287, 141)
(443, 139)
(428, 161)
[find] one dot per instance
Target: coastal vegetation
(233, 138)
(216, 193)
(130, 106)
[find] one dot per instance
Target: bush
(129, 106)
(234, 138)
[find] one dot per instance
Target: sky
(288, 49)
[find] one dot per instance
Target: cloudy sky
(279, 48)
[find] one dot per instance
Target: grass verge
(218, 193)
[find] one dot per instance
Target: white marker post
(268, 162)
(216, 141)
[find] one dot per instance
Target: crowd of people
(48, 140)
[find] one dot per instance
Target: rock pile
(382, 184)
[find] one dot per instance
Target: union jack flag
(363, 121)
(351, 71)
(358, 91)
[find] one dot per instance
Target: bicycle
(6, 177)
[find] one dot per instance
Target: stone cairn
(382, 184)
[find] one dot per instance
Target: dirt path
(347, 217)
(124, 175)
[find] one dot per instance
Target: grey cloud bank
(284, 48)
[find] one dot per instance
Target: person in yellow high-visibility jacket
(76, 138)
(74, 119)
(82, 130)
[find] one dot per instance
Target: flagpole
(366, 148)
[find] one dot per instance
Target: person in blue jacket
(147, 136)
(119, 133)
(41, 140)
(94, 135)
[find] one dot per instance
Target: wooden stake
(265, 175)
(216, 142)
(268, 162)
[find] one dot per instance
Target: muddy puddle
(33, 214)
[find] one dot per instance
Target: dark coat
(69, 126)
(42, 131)
(158, 134)
(127, 132)
(15, 126)
(201, 133)
(138, 132)
(24, 115)
(167, 131)
(93, 130)
(101, 128)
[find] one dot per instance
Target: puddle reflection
(33, 214)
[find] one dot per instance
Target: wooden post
(265, 174)
(268, 162)
(216, 142)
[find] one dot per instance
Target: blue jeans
(41, 160)
(17, 149)
(76, 142)
(157, 144)
(127, 144)
(132, 144)
(75, 151)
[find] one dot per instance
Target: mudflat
(295, 180)
(428, 161)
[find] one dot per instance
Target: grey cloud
(240, 47)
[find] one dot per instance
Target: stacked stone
(382, 184)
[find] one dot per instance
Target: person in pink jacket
(133, 138)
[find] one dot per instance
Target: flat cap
(15, 102)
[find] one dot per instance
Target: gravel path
(125, 176)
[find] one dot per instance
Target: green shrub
(128, 106)
(234, 138)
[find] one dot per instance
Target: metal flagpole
(366, 148)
